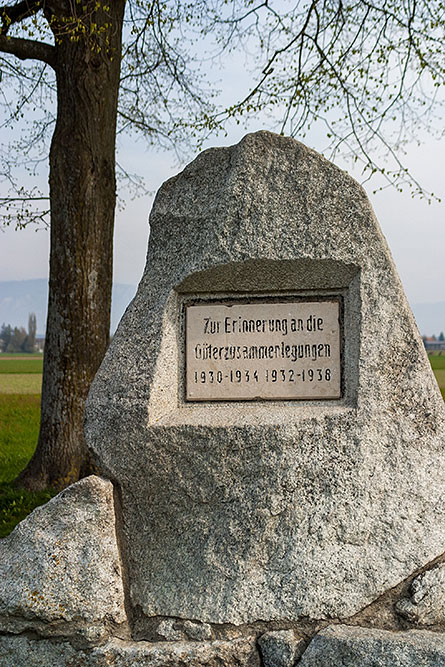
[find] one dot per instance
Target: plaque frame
(225, 299)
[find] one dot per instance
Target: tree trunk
(82, 195)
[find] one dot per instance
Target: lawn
(438, 365)
(20, 374)
(20, 364)
(437, 361)
(23, 383)
(19, 419)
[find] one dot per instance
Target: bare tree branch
(26, 49)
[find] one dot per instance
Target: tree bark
(82, 196)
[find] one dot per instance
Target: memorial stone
(271, 440)
(266, 408)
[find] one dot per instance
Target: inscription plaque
(263, 351)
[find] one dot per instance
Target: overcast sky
(414, 229)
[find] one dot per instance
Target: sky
(414, 229)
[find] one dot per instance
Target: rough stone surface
(235, 653)
(240, 511)
(20, 651)
(426, 604)
(280, 648)
(60, 570)
(24, 652)
(197, 631)
(362, 647)
(173, 629)
(168, 630)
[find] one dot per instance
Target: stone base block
(364, 647)
(335, 645)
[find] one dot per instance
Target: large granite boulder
(239, 510)
(60, 569)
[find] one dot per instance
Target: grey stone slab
(242, 511)
(60, 570)
(281, 648)
(426, 603)
(22, 651)
(363, 647)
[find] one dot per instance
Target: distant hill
(18, 298)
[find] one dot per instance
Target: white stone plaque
(263, 351)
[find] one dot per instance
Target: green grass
(21, 365)
(440, 377)
(19, 419)
(437, 361)
(20, 374)
(16, 504)
(27, 383)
